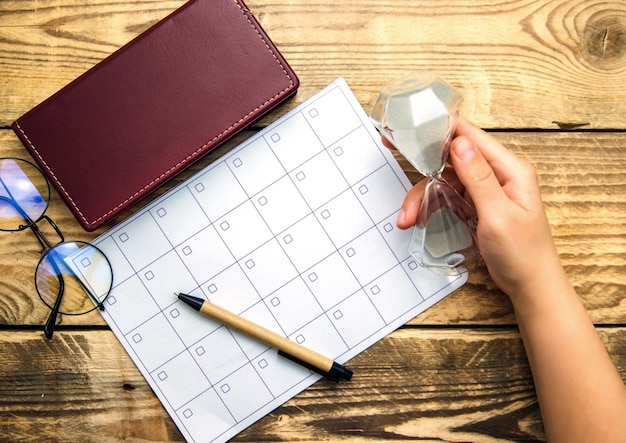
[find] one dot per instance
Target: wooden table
(548, 78)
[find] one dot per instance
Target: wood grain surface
(547, 78)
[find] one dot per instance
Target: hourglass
(417, 114)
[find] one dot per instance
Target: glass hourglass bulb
(418, 114)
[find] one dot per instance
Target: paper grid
(293, 229)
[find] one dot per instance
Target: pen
(286, 348)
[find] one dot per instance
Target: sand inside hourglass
(419, 132)
(446, 233)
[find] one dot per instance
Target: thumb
(476, 174)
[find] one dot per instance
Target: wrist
(543, 293)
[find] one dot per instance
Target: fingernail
(464, 149)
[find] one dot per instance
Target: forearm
(581, 395)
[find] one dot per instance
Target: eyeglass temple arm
(48, 327)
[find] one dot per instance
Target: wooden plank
(520, 64)
(417, 383)
(584, 189)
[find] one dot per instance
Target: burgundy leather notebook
(155, 106)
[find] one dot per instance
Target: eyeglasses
(72, 277)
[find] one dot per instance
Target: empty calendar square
(357, 255)
(349, 315)
(271, 270)
(206, 414)
(205, 255)
(396, 285)
(142, 241)
(331, 281)
(332, 108)
(180, 216)
(358, 154)
(323, 180)
(155, 342)
(250, 176)
(344, 218)
(131, 296)
(306, 243)
(232, 290)
(218, 355)
(282, 205)
(297, 142)
(293, 306)
(166, 276)
(218, 191)
(243, 392)
(246, 230)
(179, 378)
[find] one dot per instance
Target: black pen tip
(192, 301)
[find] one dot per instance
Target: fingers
(387, 143)
(516, 176)
(474, 171)
(411, 205)
(502, 161)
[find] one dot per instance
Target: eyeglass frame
(48, 247)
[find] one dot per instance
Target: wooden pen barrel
(266, 336)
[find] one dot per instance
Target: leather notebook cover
(155, 106)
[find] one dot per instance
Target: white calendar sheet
(293, 229)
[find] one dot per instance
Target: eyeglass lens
(70, 270)
(24, 194)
